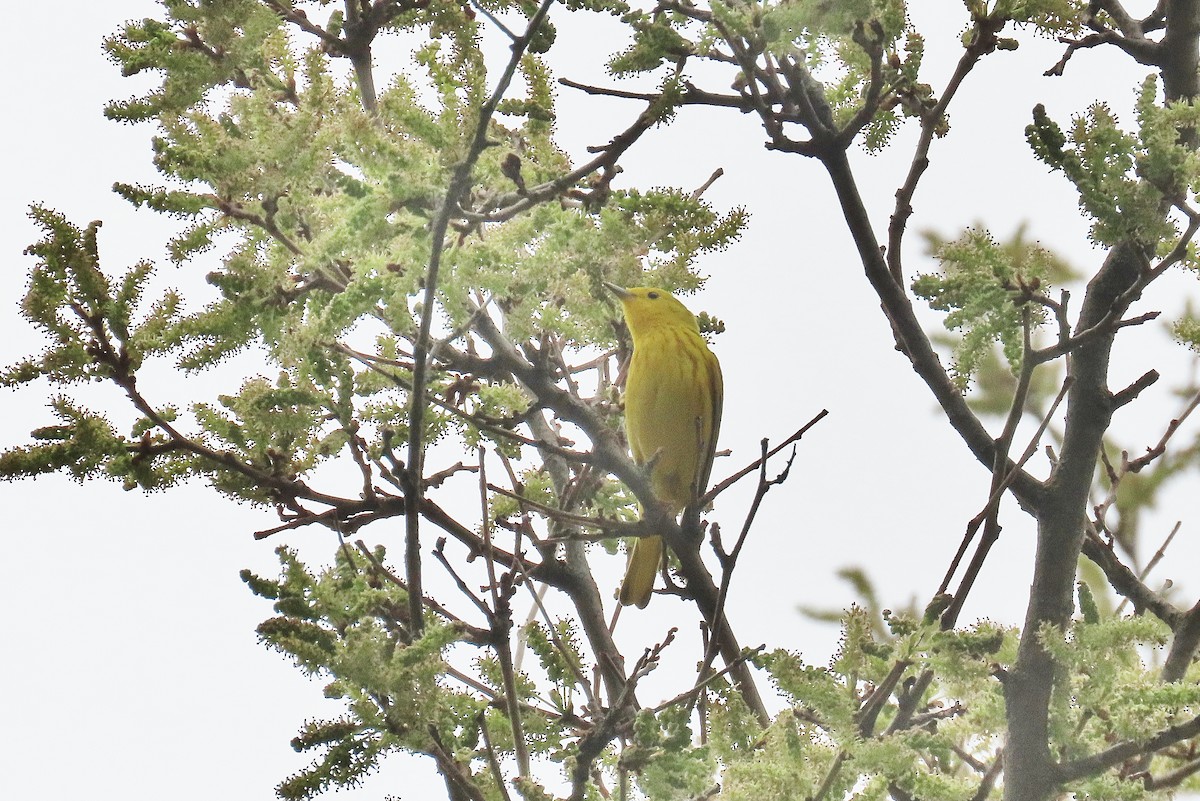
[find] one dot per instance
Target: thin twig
(482, 9)
(729, 560)
(988, 516)
(486, 525)
(1125, 581)
(459, 183)
(374, 362)
(699, 686)
(476, 634)
(868, 713)
(982, 43)
(830, 776)
(725, 484)
(567, 654)
(1153, 563)
(1161, 447)
(700, 190)
(989, 778)
(1172, 778)
(440, 555)
(608, 529)
(950, 616)
(493, 761)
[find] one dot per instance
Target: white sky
(132, 663)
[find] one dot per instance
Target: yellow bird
(673, 396)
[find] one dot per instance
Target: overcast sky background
(131, 661)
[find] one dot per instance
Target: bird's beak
(620, 291)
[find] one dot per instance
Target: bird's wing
(716, 390)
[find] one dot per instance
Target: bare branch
(983, 41)
(1154, 560)
(1172, 778)
(1130, 393)
(1115, 755)
(725, 484)
(460, 783)
(978, 520)
(830, 776)
(1138, 464)
(910, 336)
(712, 179)
(1126, 582)
(1143, 51)
(989, 516)
(868, 713)
(696, 689)
(729, 560)
(493, 761)
(485, 11)
(989, 779)
(459, 184)
(873, 47)
(691, 96)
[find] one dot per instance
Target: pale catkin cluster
(408, 285)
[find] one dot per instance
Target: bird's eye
(652, 295)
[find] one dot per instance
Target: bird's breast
(669, 407)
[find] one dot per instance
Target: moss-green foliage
(840, 44)
(1124, 178)
(834, 40)
(1113, 694)
(1108, 673)
(981, 287)
(833, 35)
(83, 444)
(80, 309)
(671, 767)
(993, 381)
(656, 41)
(325, 208)
(94, 333)
(322, 211)
(562, 659)
(820, 742)
(346, 626)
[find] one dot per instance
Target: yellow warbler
(673, 395)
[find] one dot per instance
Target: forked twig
(725, 484)
(950, 616)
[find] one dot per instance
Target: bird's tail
(640, 572)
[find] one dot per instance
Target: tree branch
(459, 183)
(1115, 755)
(610, 455)
(1029, 769)
(910, 336)
(1126, 583)
(983, 42)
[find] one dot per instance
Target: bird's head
(648, 308)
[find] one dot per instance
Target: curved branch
(983, 43)
(911, 338)
(610, 455)
(1115, 755)
(459, 183)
